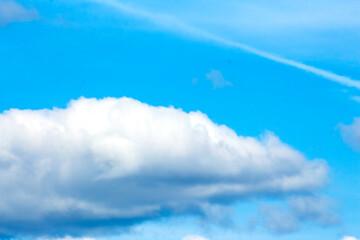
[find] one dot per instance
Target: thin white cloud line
(174, 24)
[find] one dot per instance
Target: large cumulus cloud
(113, 162)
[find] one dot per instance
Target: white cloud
(173, 24)
(124, 160)
(67, 238)
(194, 237)
(11, 11)
(217, 79)
(351, 133)
(349, 238)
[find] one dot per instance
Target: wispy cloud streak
(173, 24)
(11, 11)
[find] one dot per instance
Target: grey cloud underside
(115, 162)
(300, 209)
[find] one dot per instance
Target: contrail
(175, 25)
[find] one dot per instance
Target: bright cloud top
(194, 237)
(349, 238)
(123, 160)
(67, 238)
(10, 11)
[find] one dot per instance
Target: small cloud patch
(351, 134)
(217, 79)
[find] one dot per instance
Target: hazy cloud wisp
(173, 24)
(11, 11)
(300, 209)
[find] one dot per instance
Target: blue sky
(179, 120)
